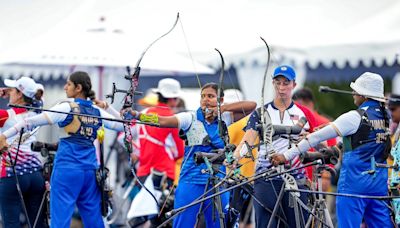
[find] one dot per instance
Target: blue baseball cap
(285, 71)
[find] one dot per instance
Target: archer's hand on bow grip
(126, 114)
(277, 159)
(233, 165)
(231, 162)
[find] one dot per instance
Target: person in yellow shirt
(240, 199)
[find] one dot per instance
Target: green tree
(334, 104)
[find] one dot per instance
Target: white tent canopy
(99, 48)
(233, 26)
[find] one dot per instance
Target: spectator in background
(305, 97)
(159, 147)
(38, 101)
(152, 139)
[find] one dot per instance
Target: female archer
(74, 174)
(282, 111)
(202, 135)
(19, 165)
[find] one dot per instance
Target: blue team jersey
(77, 149)
(353, 177)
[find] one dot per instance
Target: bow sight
(216, 156)
(328, 155)
(128, 92)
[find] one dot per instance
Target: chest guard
(369, 131)
(351, 142)
(81, 126)
(197, 134)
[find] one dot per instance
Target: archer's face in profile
(283, 87)
(16, 97)
(71, 89)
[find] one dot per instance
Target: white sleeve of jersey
(348, 123)
(53, 117)
(112, 111)
(344, 125)
(44, 118)
(185, 119)
(118, 126)
(227, 118)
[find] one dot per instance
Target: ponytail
(39, 94)
(91, 95)
(82, 78)
(388, 142)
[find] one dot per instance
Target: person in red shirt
(161, 147)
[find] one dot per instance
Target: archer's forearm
(168, 121)
(240, 107)
(31, 122)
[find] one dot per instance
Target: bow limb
(265, 118)
(129, 100)
(135, 77)
(152, 43)
(221, 126)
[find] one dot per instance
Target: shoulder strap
(74, 107)
(362, 112)
(75, 124)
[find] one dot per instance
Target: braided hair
(388, 142)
